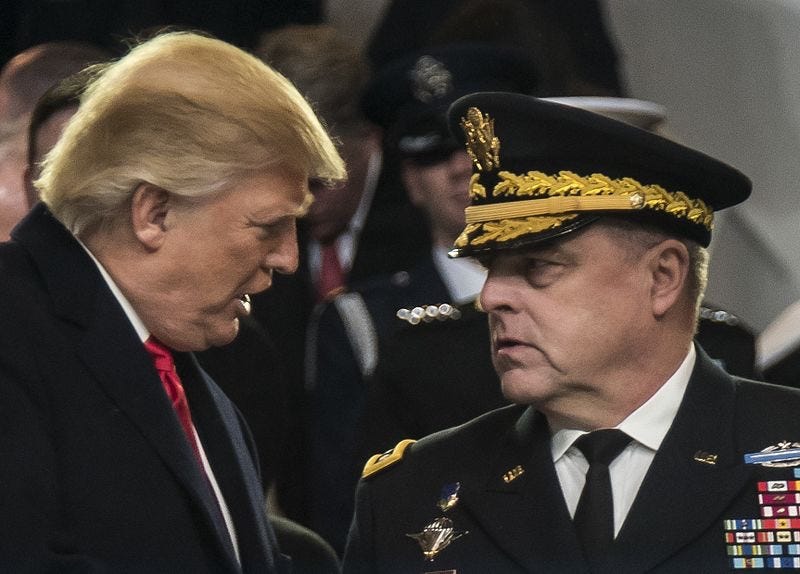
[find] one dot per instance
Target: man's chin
(224, 336)
(519, 386)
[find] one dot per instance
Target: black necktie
(594, 517)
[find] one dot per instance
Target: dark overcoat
(95, 472)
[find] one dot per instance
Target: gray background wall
(728, 72)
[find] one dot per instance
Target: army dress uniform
(698, 500)
(722, 489)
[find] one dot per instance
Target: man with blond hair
(171, 195)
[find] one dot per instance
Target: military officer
(627, 448)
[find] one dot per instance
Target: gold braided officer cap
(542, 169)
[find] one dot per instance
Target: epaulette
(378, 462)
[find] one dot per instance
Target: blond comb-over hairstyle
(185, 112)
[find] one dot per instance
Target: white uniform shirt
(647, 426)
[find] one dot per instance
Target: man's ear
(411, 183)
(150, 206)
(669, 268)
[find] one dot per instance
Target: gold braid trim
(568, 192)
(507, 229)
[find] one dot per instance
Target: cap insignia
(430, 79)
(482, 145)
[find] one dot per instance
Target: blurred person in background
(331, 73)
(408, 99)
(23, 80)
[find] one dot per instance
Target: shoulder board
(380, 461)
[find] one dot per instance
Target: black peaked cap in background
(409, 97)
(566, 146)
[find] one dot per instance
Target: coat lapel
(108, 346)
(520, 493)
(704, 426)
(232, 459)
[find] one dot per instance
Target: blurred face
(334, 207)
(567, 319)
(46, 137)
(441, 190)
(216, 253)
(13, 199)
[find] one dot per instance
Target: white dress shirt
(647, 426)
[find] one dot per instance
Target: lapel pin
(705, 457)
(513, 474)
(436, 536)
(449, 496)
(783, 454)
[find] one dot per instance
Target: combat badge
(783, 454)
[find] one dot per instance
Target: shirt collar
(647, 425)
(464, 277)
(133, 317)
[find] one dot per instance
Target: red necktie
(165, 365)
(331, 275)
